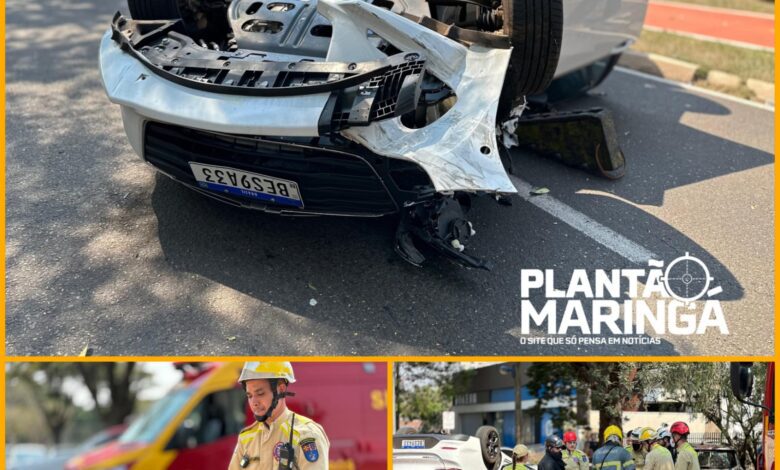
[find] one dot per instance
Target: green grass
(761, 6)
(745, 63)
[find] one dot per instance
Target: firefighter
(573, 458)
(519, 458)
(612, 455)
(635, 448)
(687, 458)
(658, 457)
(279, 439)
(666, 440)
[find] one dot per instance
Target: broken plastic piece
(441, 225)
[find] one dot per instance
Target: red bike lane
(757, 29)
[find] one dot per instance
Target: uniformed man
(612, 455)
(658, 456)
(635, 448)
(687, 458)
(279, 439)
(519, 458)
(573, 458)
(665, 437)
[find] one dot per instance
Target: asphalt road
(103, 252)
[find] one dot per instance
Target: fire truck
(742, 385)
(196, 425)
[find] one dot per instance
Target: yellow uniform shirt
(518, 466)
(659, 458)
(576, 460)
(687, 458)
(638, 456)
(259, 444)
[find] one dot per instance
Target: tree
(52, 387)
(614, 387)
(52, 400)
(118, 379)
(423, 390)
(704, 387)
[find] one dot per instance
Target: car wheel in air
(490, 443)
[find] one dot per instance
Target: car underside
(335, 107)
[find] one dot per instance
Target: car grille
(330, 181)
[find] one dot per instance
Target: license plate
(412, 444)
(227, 180)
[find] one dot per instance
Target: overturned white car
(452, 452)
(352, 107)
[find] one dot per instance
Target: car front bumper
(458, 152)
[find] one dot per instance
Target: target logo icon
(687, 279)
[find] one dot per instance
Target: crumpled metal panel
(459, 151)
(129, 83)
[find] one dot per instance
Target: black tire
(535, 29)
(153, 9)
(490, 444)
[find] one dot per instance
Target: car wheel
(490, 443)
(153, 9)
(535, 30)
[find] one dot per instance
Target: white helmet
(267, 370)
(663, 432)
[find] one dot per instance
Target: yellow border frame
(389, 360)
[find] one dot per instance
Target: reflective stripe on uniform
(616, 463)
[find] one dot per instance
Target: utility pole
(517, 375)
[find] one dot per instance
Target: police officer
(279, 439)
(687, 458)
(658, 456)
(573, 458)
(519, 458)
(552, 460)
(612, 455)
(635, 448)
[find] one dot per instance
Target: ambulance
(196, 425)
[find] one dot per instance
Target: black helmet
(554, 441)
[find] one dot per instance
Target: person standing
(279, 439)
(552, 460)
(658, 456)
(519, 458)
(573, 458)
(687, 457)
(612, 455)
(635, 448)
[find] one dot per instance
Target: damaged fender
(459, 151)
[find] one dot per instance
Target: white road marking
(704, 91)
(584, 224)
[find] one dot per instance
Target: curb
(681, 71)
(763, 90)
(659, 65)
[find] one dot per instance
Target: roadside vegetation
(742, 62)
(760, 6)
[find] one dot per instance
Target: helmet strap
(274, 383)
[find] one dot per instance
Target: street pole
(517, 375)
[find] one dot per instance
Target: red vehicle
(742, 386)
(196, 425)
